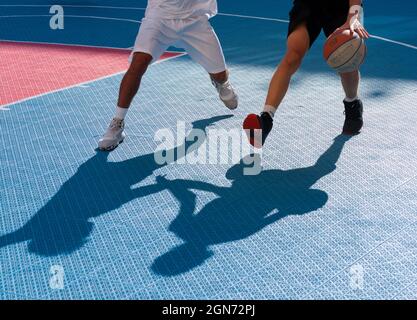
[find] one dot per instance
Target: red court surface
(28, 69)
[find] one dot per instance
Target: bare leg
(350, 83)
(115, 134)
(297, 46)
(257, 127)
(353, 106)
(220, 77)
(131, 80)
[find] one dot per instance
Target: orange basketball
(344, 51)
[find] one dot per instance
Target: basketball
(344, 51)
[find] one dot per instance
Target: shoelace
(225, 89)
(227, 86)
(221, 85)
(116, 123)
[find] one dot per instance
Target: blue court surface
(327, 218)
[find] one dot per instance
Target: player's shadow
(63, 224)
(250, 204)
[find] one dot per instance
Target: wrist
(355, 10)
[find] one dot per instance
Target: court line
(395, 42)
(65, 44)
(70, 16)
(406, 45)
(287, 21)
(72, 6)
(5, 106)
(252, 17)
(58, 90)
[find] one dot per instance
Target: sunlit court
(171, 200)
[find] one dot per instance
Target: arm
(145, 191)
(190, 184)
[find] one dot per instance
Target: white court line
(71, 6)
(395, 42)
(252, 17)
(70, 16)
(406, 45)
(5, 106)
(287, 21)
(65, 44)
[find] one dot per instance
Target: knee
(292, 60)
(350, 75)
(139, 65)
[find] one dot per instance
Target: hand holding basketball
(344, 51)
(354, 25)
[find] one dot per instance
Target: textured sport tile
(123, 227)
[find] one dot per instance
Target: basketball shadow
(250, 204)
(63, 224)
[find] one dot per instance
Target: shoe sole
(251, 124)
(352, 133)
(229, 104)
(112, 147)
(347, 133)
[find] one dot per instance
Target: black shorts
(326, 15)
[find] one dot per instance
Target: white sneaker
(226, 94)
(113, 136)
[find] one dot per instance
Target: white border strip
(252, 17)
(66, 44)
(71, 6)
(70, 16)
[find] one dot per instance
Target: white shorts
(195, 35)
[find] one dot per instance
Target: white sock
(351, 100)
(271, 110)
(121, 113)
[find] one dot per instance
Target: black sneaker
(353, 121)
(254, 122)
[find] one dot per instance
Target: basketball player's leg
(132, 78)
(350, 80)
(350, 83)
(298, 44)
(202, 44)
(150, 44)
(352, 103)
(354, 21)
